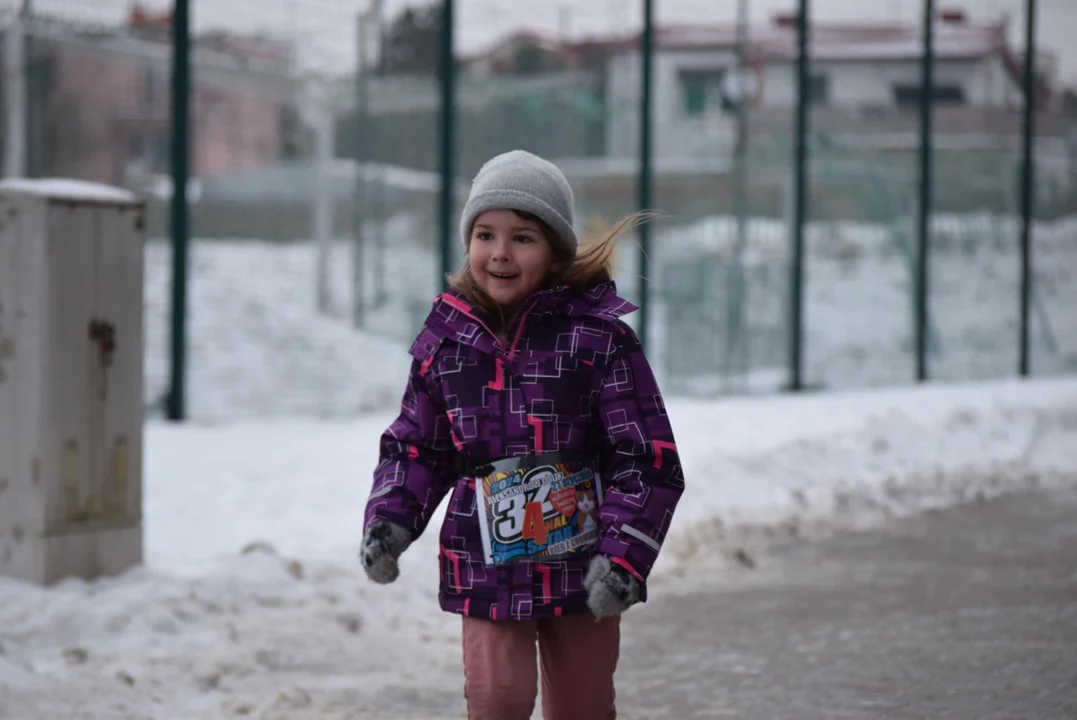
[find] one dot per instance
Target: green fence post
(363, 128)
(923, 231)
(1028, 180)
(800, 202)
(736, 342)
(181, 89)
(645, 153)
(32, 81)
(448, 141)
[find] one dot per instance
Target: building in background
(864, 89)
(865, 81)
(98, 105)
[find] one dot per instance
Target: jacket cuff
(635, 557)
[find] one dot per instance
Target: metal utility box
(71, 397)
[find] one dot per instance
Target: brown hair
(592, 264)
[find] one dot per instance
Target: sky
(325, 30)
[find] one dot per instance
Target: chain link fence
(731, 278)
(317, 175)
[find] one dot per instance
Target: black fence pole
(448, 141)
(181, 90)
(800, 206)
(923, 230)
(1028, 181)
(645, 154)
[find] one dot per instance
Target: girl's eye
(524, 239)
(484, 236)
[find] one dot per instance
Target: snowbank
(290, 628)
(258, 347)
(786, 462)
(793, 467)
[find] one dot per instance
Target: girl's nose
(502, 249)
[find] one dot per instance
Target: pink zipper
(464, 308)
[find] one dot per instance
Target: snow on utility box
(71, 337)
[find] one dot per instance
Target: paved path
(964, 613)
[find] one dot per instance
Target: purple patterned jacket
(573, 377)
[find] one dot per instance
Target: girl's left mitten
(383, 544)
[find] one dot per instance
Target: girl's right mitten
(383, 544)
(610, 588)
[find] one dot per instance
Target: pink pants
(578, 656)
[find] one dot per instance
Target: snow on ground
(290, 629)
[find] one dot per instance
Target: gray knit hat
(518, 180)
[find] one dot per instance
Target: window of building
(135, 149)
(161, 152)
(908, 96)
(819, 89)
(153, 91)
(695, 96)
(701, 90)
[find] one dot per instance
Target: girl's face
(510, 256)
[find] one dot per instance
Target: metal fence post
(923, 233)
(181, 90)
(736, 343)
(645, 153)
(34, 79)
(448, 140)
(800, 202)
(362, 185)
(377, 12)
(323, 204)
(1028, 180)
(15, 96)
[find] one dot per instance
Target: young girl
(526, 392)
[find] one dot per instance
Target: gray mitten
(383, 543)
(610, 588)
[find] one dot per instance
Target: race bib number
(541, 512)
